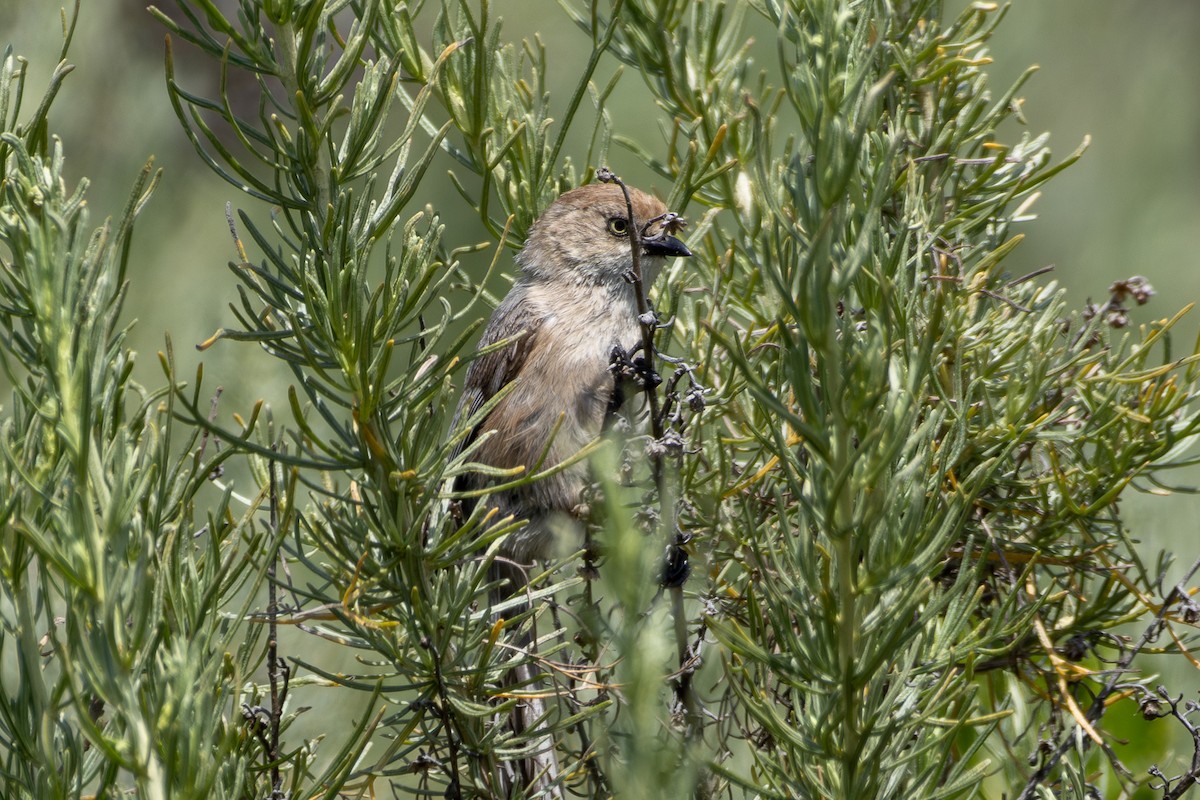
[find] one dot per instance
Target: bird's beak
(665, 245)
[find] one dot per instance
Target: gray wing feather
(490, 373)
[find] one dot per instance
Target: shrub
(884, 473)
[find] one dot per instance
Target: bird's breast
(581, 329)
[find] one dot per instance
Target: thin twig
(1159, 703)
(1031, 275)
(676, 556)
(1096, 710)
(1012, 303)
(212, 416)
(647, 321)
(442, 710)
(973, 162)
(273, 641)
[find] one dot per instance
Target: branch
(676, 567)
(1096, 710)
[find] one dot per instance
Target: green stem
(841, 530)
(847, 652)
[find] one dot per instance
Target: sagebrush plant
(894, 466)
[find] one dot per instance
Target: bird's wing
(491, 372)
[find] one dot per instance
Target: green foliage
(896, 467)
(117, 662)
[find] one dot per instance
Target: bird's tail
(537, 774)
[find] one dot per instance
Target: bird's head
(583, 237)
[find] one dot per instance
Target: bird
(572, 304)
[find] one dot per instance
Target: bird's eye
(618, 226)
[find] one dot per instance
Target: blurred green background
(1119, 72)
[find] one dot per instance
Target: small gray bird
(571, 305)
